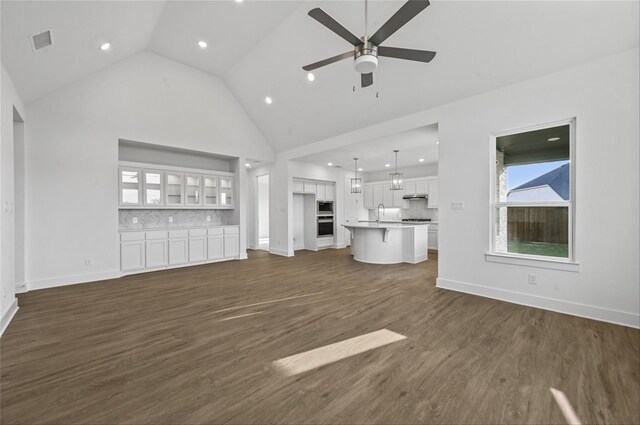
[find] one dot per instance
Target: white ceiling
(78, 28)
(415, 144)
(259, 47)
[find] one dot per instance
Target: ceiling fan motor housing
(366, 58)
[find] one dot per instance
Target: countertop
(384, 225)
(151, 229)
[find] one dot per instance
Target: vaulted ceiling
(259, 47)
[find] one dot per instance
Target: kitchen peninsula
(388, 243)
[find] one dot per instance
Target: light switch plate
(170, 219)
(208, 218)
(134, 220)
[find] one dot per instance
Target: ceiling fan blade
(328, 61)
(366, 79)
(409, 54)
(326, 20)
(406, 13)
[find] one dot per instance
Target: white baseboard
(8, 315)
(342, 245)
(243, 256)
(72, 280)
(281, 252)
(559, 306)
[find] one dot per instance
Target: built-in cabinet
(157, 249)
(324, 191)
(140, 187)
(432, 241)
(379, 193)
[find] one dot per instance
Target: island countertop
(385, 225)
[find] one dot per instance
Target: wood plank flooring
(156, 348)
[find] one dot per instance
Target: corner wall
(72, 156)
(9, 100)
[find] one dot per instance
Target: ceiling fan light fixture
(365, 64)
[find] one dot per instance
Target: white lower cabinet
(157, 249)
(433, 237)
(231, 242)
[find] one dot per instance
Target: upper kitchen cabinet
(210, 191)
(193, 190)
(309, 187)
(152, 188)
(433, 185)
(130, 187)
(226, 192)
(298, 186)
(174, 184)
(325, 191)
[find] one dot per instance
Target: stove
(416, 220)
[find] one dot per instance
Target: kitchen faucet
(380, 205)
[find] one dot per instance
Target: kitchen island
(388, 243)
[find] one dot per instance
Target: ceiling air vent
(42, 40)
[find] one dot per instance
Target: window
(533, 193)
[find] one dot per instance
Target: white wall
(9, 100)
(604, 97)
(72, 154)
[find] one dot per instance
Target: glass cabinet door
(174, 185)
(210, 191)
(153, 188)
(193, 190)
(130, 187)
(226, 191)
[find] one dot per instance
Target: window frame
(535, 260)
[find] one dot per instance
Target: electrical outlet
(170, 219)
(134, 220)
(88, 262)
(208, 218)
(533, 279)
(457, 206)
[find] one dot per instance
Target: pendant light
(395, 179)
(356, 183)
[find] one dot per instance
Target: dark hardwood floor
(154, 348)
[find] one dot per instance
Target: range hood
(415, 196)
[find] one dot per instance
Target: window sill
(542, 263)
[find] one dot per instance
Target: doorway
(263, 212)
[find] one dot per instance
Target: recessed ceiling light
(421, 160)
(247, 165)
(268, 100)
(105, 46)
(238, 1)
(553, 139)
(202, 44)
(437, 142)
(359, 169)
(387, 165)
(311, 77)
(330, 164)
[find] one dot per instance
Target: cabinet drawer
(215, 231)
(132, 236)
(231, 230)
(178, 233)
(197, 232)
(156, 234)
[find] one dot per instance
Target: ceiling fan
(367, 49)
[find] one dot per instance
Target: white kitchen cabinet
(132, 251)
(215, 244)
(378, 197)
(197, 249)
(298, 186)
(368, 196)
(330, 192)
(432, 201)
(178, 247)
(210, 191)
(433, 237)
(130, 186)
(192, 190)
(321, 192)
(152, 188)
(174, 188)
(156, 253)
(309, 187)
(226, 192)
(387, 196)
(231, 242)
(410, 188)
(422, 186)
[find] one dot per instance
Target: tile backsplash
(159, 219)
(417, 209)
